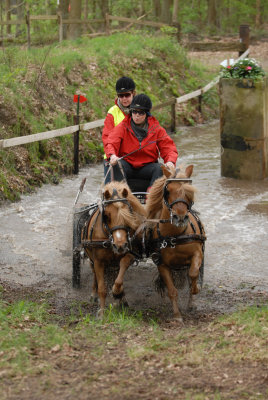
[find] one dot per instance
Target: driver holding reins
(139, 140)
(125, 90)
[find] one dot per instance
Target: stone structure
(244, 128)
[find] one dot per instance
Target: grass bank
(127, 356)
(37, 88)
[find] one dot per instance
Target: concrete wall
(244, 128)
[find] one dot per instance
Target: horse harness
(106, 243)
(162, 242)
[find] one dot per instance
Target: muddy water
(35, 233)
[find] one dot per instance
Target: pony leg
(194, 272)
(172, 291)
(94, 293)
(102, 292)
(118, 289)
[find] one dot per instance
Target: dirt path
(259, 51)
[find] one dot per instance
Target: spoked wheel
(76, 252)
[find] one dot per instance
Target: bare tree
(212, 15)
(20, 15)
(8, 15)
(166, 11)
(63, 9)
(157, 8)
(86, 9)
(258, 14)
(75, 13)
(175, 11)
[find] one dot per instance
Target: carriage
(174, 240)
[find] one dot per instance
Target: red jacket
(109, 124)
(122, 141)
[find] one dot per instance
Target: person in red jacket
(125, 89)
(138, 141)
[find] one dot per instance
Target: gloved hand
(170, 165)
(113, 159)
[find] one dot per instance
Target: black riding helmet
(124, 84)
(141, 102)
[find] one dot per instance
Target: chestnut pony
(109, 239)
(177, 235)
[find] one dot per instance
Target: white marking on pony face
(118, 235)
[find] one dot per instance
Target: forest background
(196, 17)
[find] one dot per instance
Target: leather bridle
(174, 217)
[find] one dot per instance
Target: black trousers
(149, 172)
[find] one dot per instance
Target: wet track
(36, 243)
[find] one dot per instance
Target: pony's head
(122, 213)
(179, 195)
(175, 192)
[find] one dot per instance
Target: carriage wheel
(76, 252)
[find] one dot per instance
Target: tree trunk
(157, 8)
(74, 30)
(63, 8)
(258, 14)
(212, 16)
(104, 10)
(166, 11)
(175, 11)
(2, 26)
(199, 12)
(8, 16)
(86, 9)
(20, 15)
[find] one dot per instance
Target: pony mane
(124, 214)
(155, 200)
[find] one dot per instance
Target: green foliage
(41, 86)
(247, 68)
(168, 29)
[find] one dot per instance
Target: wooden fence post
(244, 37)
(173, 117)
(107, 24)
(60, 26)
(76, 145)
(28, 23)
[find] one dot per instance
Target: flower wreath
(245, 68)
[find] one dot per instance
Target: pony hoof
(100, 313)
(124, 304)
(178, 321)
(94, 300)
(196, 289)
